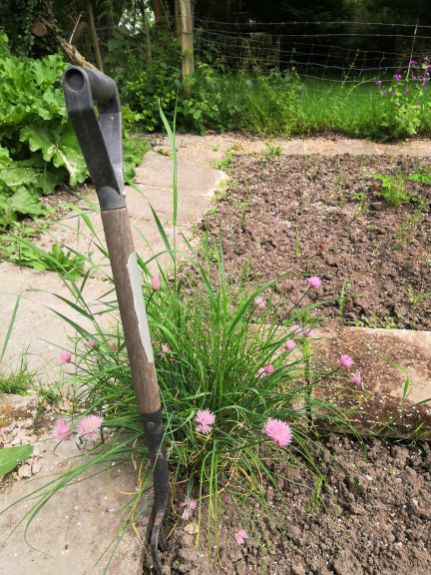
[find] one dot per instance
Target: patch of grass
(226, 163)
(18, 382)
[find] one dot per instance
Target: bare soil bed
(372, 517)
(326, 216)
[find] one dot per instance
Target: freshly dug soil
(326, 216)
(373, 517)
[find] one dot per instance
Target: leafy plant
(272, 150)
(10, 457)
(417, 298)
(393, 189)
(422, 176)
(67, 263)
(38, 148)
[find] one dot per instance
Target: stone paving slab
(72, 532)
(215, 146)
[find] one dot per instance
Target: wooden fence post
(186, 18)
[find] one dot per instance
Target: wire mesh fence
(341, 51)
(317, 50)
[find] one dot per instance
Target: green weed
(27, 253)
(417, 298)
(18, 382)
(393, 189)
(272, 151)
(226, 163)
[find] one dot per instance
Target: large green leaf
(10, 457)
(59, 146)
(4, 157)
(26, 203)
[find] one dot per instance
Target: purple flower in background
(425, 81)
(414, 78)
(393, 93)
(266, 370)
(425, 58)
(413, 63)
(289, 345)
(379, 83)
(397, 77)
(156, 283)
(406, 90)
(260, 302)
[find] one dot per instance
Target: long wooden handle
(127, 281)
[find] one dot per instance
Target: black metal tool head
(98, 137)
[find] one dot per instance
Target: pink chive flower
(260, 302)
(345, 361)
(266, 370)
(91, 343)
(65, 357)
(62, 430)
(156, 283)
(189, 506)
(297, 330)
(205, 419)
(241, 536)
(289, 345)
(308, 332)
(165, 349)
(356, 378)
(314, 282)
(278, 431)
(89, 427)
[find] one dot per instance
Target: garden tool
(100, 140)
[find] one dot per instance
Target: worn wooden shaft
(128, 286)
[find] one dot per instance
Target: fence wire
(333, 51)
